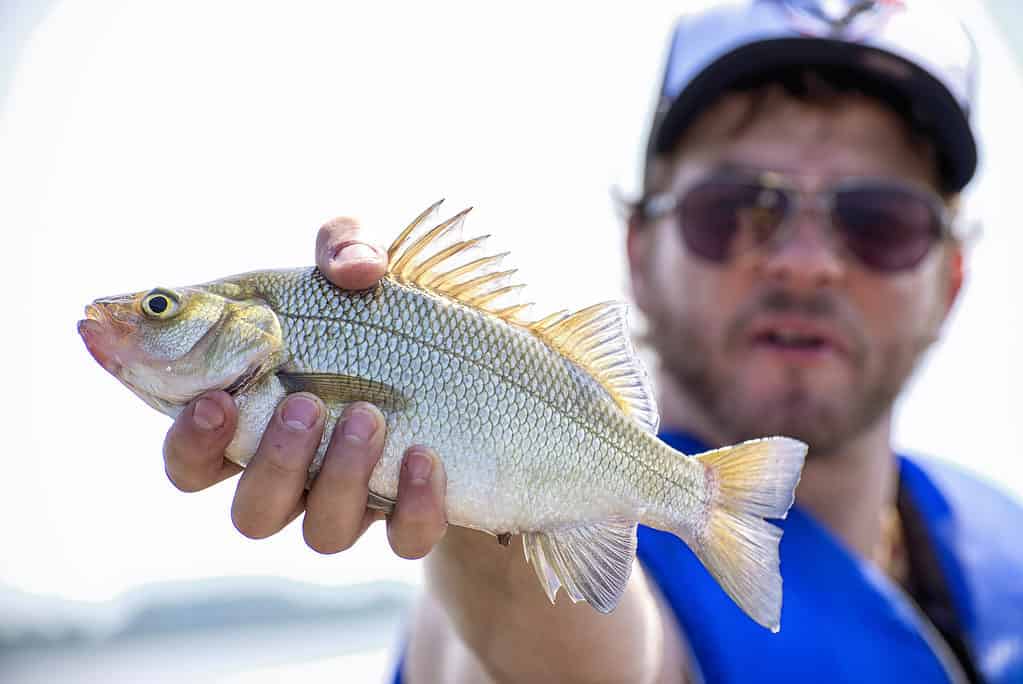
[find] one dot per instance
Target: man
(794, 254)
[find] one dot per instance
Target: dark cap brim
(932, 108)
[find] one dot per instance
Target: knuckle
(261, 507)
(334, 232)
(349, 464)
(248, 528)
(341, 224)
(284, 455)
(410, 548)
(327, 544)
(285, 461)
(317, 543)
(332, 523)
(183, 482)
(173, 446)
(181, 466)
(413, 534)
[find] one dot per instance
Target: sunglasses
(889, 226)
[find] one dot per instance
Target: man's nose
(805, 254)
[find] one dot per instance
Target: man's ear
(955, 275)
(638, 241)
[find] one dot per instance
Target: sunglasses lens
(720, 217)
(888, 228)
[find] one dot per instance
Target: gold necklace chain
(890, 554)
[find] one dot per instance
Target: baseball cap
(908, 51)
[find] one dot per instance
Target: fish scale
(545, 428)
(581, 424)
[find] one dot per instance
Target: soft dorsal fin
(438, 260)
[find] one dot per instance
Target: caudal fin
(749, 482)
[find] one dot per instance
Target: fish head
(170, 345)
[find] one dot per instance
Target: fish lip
(115, 313)
(804, 326)
(90, 330)
(92, 313)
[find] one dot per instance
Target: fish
(546, 427)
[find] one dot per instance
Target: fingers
(271, 489)
(345, 258)
(418, 521)
(336, 514)
(193, 451)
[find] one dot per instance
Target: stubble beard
(795, 408)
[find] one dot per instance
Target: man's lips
(797, 336)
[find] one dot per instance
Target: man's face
(796, 337)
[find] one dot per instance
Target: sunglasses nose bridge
(806, 210)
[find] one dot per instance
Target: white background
(149, 143)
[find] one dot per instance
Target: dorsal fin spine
(512, 311)
(399, 242)
(594, 338)
(465, 289)
(413, 250)
(549, 320)
(435, 278)
(484, 299)
(446, 279)
(440, 256)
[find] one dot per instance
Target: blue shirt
(842, 620)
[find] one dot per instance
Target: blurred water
(237, 630)
(359, 651)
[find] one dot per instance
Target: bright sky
(147, 143)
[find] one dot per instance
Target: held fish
(546, 427)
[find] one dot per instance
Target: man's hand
(271, 492)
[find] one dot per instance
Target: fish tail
(749, 482)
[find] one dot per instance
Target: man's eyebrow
(733, 167)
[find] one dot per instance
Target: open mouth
(782, 339)
(796, 338)
(96, 341)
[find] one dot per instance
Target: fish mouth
(97, 340)
(100, 339)
(92, 313)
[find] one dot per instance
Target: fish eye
(160, 304)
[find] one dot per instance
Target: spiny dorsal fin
(438, 260)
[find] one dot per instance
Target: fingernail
(355, 251)
(300, 413)
(419, 465)
(360, 424)
(207, 414)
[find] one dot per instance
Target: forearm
(495, 609)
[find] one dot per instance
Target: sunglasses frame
(663, 204)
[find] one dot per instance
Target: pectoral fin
(344, 389)
(591, 561)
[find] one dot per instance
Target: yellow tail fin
(750, 481)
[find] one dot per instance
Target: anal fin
(592, 561)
